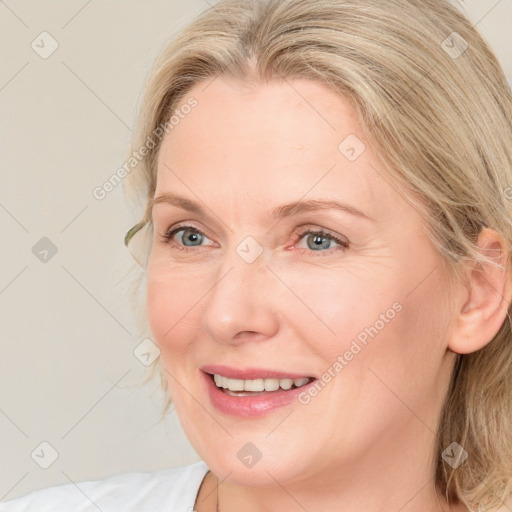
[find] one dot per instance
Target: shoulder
(169, 489)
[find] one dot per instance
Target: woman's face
(247, 288)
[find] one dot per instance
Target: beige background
(68, 374)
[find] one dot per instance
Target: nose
(242, 304)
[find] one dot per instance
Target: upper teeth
(258, 384)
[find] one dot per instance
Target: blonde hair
(437, 109)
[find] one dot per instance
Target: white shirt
(168, 490)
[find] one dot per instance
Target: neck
(388, 477)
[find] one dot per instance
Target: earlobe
(484, 304)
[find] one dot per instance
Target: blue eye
(318, 241)
(191, 237)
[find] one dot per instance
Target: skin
(365, 442)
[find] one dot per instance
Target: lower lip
(250, 406)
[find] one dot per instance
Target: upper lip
(249, 373)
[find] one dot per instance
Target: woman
(326, 245)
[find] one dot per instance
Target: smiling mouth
(254, 387)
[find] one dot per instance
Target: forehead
(281, 138)
(300, 113)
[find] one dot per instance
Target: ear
(485, 297)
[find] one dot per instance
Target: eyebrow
(281, 212)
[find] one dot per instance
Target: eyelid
(170, 232)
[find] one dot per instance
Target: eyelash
(298, 235)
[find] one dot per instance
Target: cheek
(171, 313)
(373, 322)
(337, 306)
(173, 322)
(396, 352)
